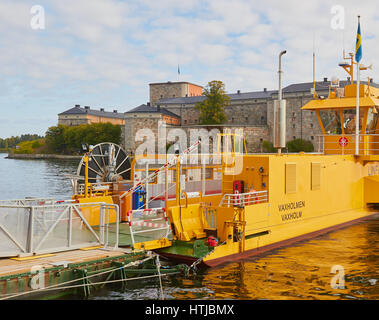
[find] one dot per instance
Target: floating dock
(48, 249)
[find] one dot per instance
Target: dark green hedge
(299, 145)
(65, 139)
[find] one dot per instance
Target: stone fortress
(174, 103)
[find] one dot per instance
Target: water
(301, 271)
(35, 178)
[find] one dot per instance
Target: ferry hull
(213, 262)
(287, 242)
(308, 195)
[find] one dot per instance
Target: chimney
(86, 107)
(77, 106)
(238, 91)
(264, 89)
(148, 104)
(325, 79)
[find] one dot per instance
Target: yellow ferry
(239, 204)
(277, 199)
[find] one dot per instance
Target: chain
(194, 264)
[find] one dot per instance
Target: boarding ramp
(37, 226)
(149, 228)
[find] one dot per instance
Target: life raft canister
(212, 241)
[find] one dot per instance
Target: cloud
(105, 52)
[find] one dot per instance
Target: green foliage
(14, 141)
(37, 143)
(54, 138)
(299, 145)
(29, 147)
(65, 139)
(212, 108)
(268, 146)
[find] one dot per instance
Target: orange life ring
(255, 198)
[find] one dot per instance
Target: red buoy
(212, 241)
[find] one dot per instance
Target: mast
(357, 58)
(357, 112)
(282, 108)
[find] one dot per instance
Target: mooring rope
(97, 283)
(60, 286)
(160, 276)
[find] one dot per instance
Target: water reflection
(301, 271)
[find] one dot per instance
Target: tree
(212, 108)
(299, 145)
(68, 139)
(55, 139)
(268, 147)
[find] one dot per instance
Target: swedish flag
(358, 44)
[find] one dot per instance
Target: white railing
(28, 201)
(148, 224)
(243, 199)
(345, 144)
(59, 226)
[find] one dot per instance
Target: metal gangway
(38, 226)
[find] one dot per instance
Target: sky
(104, 53)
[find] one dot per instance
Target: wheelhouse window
(331, 121)
(372, 121)
(349, 120)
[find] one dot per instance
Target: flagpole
(357, 105)
(357, 113)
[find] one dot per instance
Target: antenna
(348, 66)
(343, 41)
(314, 68)
(314, 79)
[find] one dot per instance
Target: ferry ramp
(38, 226)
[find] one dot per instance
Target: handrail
(243, 199)
(345, 144)
(27, 200)
(148, 220)
(41, 225)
